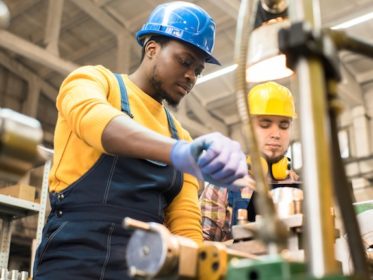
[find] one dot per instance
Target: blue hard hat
(183, 21)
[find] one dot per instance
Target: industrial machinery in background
(20, 137)
(13, 275)
(20, 151)
(291, 245)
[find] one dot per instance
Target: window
(295, 154)
(343, 143)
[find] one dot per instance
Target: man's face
(175, 68)
(273, 134)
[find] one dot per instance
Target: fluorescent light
(216, 74)
(353, 21)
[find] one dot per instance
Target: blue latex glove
(211, 157)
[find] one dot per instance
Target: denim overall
(83, 237)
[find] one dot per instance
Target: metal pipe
(315, 138)
(129, 223)
(271, 230)
(345, 42)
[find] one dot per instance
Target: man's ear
(151, 49)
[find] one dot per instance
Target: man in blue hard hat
(119, 152)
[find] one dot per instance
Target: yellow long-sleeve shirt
(88, 100)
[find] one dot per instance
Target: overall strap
(124, 96)
(127, 110)
(171, 125)
(233, 196)
(236, 202)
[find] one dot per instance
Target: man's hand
(293, 176)
(213, 158)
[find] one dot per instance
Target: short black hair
(162, 40)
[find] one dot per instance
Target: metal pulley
(147, 255)
(153, 252)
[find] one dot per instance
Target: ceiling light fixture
(354, 21)
(216, 74)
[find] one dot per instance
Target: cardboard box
(22, 191)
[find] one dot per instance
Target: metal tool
(153, 252)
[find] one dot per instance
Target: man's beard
(157, 85)
(273, 159)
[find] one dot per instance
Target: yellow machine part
(213, 260)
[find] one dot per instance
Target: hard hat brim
(141, 34)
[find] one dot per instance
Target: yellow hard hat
(271, 98)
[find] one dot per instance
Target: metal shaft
(315, 138)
